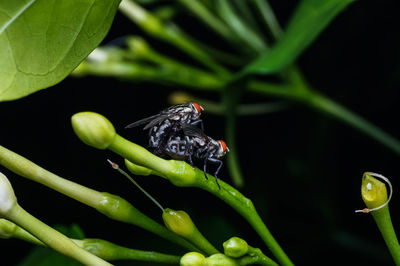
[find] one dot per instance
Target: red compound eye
(198, 107)
(223, 145)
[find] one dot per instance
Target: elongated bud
(178, 222)
(7, 228)
(7, 196)
(193, 259)
(220, 260)
(137, 169)
(138, 45)
(93, 129)
(235, 247)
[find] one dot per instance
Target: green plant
(41, 42)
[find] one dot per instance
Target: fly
(191, 142)
(168, 122)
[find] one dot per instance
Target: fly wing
(192, 131)
(143, 121)
(156, 120)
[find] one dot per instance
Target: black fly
(173, 133)
(192, 142)
(168, 122)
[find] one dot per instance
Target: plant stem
(325, 105)
(169, 33)
(53, 238)
(239, 27)
(209, 19)
(231, 100)
(110, 251)
(269, 18)
(384, 223)
(108, 204)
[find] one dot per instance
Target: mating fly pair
(177, 132)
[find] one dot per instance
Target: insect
(168, 122)
(192, 142)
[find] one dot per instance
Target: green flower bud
(93, 129)
(373, 191)
(178, 222)
(7, 196)
(137, 169)
(138, 45)
(220, 260)
(193, 259)
(235, 247)
(7, 228)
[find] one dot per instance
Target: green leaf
(43, 256)
(309, 20)
(42, 41)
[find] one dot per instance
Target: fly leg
(189, 148)
(205, 167)
(217, 171)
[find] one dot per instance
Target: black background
(302, 169)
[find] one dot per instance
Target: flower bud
(7, 196)
(137, 169)
(138, 45)
(220, 260)
(7, 228)
(178, 222)
(193, 259)
(93, 129)
(235, 247)
(373, 191)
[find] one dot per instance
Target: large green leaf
(309, 19)
(42, 41)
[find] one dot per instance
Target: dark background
(302, 169)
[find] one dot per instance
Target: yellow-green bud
(193, 259)
(373, 191)
(235, 247)
(137, 169)
(178, 222)
(93, 129)
(138, 45)
(7, 196)
(220, 260)
(7, 228)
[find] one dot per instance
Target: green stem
(384, 223)
(52, 238)
(209, 19)
(269, 18)
(255, 256)
(231, 100)
(182, 174)
(110, 251)
(108, 204)
(169, 33)
(245, 207)
(240, 28)
(325, 105)
(188, 77)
